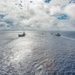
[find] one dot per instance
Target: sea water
(38, 53)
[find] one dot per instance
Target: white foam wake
(67, 38)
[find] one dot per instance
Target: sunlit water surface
(38, 53)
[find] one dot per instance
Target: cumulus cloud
(70, 10)
(3, 25)
(53, 15)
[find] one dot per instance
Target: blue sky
(47, 1)
(37, 14)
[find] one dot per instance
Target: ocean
(38, 53)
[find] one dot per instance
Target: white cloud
(59, 2)
(55, 10)
(37, 14)
(70, 10)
